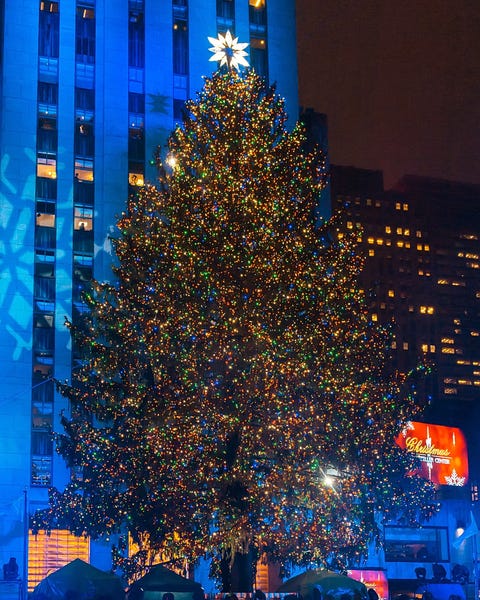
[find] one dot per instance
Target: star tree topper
(228, 51)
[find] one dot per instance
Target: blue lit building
(89, 88)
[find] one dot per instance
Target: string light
(233, 359)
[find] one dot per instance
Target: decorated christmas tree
(232, 364)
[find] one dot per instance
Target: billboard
(442, 452)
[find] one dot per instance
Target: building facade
(89, 89)
(421, 241)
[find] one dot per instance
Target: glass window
(226, 9)
(136, 40)
(180, 47)
(46, 167)
(83, 218)
(259, 56)
(257, 13)
(49, 552)
(136, 145)
(48, 34)
(46, 189)
(84, 140)
(428, 544)
(83, 169)
(85, 35)
(136, 103)
(41, 470)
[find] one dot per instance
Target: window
(47, 553)
(46, 167)
(83, 169)
(84, 104)
(257, 13)
(259, 56)
(85, 35)
(136, 103)
(47, 98)
(136, 145)
(83, 218)
(427, 544)
(136, 40)
(48, 35)
(180, 47)
(41, 471)
(84, 140)
(226, 9)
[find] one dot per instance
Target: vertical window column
(136, 93)
(258, 36)
(180, 56)
(84, 153)
(43, 334)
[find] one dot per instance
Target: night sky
(399, 82)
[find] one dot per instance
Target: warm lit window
(406, 232)
(405, 206)
(405, 345)
(424, 347)
(447, 350)
(83, 170)
(426, 247)
(83, 218)
(398, 206)
(374, 317)
(448, 340)
(371, 252)
(369, 202)
(399, 231)
(45, 220)
(388, 229)
(379, 242)
(427, 310)
(371, 240)
(47, 167)
(349, 225)
(391, 293)
(400, 244)
(257, 3)
(47, 553)
(136, 179)
(450, 390)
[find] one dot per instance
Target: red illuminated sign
(372, 578)
(441, 450)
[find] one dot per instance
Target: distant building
(422, 279)
(88, 89)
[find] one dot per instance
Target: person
(10, 570)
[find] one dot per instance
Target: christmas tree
(233, 364)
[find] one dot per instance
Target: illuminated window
(394, 345)
(369, 202)
(47, 553)
(136, 179)
(83, 169)
(426, 247)
(370, 240)
(374, 317)
(419, 247)
(83, 218)
(405, 206)
(450, 390)
(349, 225)
(391, 293)
(47, 167)
(448, 340)
(474, 333)
(371, 252)
(388, 242)
(399, 231)
(464, 382)
(257, 3)
(432, 348)
(411, 309)
(388, 229)
(424, 347)
(405, 345)
(45, 220)
(447, 350)
(383, 305)
(418, 234)
(379, 242)
(400, 244)
(398, 206)
(406, 232)
(427, 310)
(377, 203)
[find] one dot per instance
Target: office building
(421, 241)
(89, 89)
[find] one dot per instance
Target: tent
(326, 582)
(79, 581)
(160, 580)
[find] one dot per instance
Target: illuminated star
(228, 51)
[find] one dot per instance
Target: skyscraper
(89, 89)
